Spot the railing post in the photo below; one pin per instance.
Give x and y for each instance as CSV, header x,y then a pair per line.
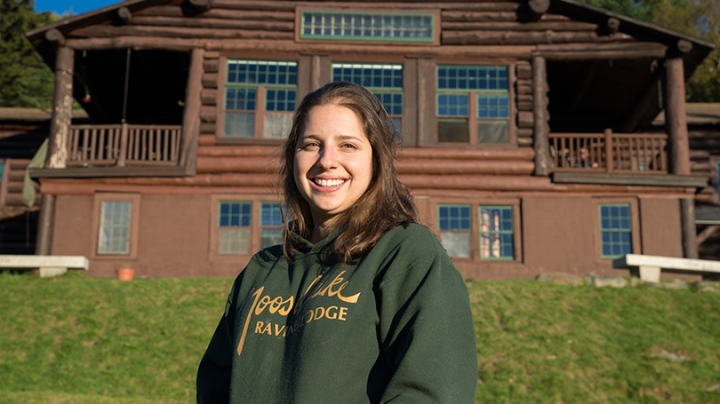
x,y
608,151
123,144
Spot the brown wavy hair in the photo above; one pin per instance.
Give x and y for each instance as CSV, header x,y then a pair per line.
x,y
385,204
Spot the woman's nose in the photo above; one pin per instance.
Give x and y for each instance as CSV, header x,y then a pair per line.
x,y
327,158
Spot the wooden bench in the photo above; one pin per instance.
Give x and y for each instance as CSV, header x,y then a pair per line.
x,y
648,267
49,265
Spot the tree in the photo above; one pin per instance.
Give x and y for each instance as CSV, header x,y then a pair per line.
x,y
699,18
25,80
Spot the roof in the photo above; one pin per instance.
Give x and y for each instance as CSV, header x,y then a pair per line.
x,y
31,115
698,113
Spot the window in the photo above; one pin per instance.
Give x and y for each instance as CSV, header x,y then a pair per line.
x,y
454,225
114,237
385,81
615,230
234,227
271,221
473,104
364,26
260,97
496,233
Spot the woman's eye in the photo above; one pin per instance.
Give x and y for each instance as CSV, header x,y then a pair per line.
x,y
309,145
348,146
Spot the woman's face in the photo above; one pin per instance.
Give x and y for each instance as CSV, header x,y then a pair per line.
x,y
333,161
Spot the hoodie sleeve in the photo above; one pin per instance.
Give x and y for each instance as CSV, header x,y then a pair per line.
x,y
213,377
427,332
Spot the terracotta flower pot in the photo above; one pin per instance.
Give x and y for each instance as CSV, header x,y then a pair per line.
x,y
125,274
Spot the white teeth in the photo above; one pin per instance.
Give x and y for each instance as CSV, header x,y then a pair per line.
x,y
328,183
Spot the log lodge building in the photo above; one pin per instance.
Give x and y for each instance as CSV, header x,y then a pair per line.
x,y
525,126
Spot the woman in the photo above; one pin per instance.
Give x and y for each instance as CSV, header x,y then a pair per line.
x,y
359,304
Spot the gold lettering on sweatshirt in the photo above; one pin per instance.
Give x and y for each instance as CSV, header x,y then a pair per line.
x,y
284,306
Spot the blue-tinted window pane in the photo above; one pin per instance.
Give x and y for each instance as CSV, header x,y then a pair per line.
x,y
261,72
452,105
493,106
393,102
459,77
454,217
372,76
615,230
270,214
240,99
280,100
234,214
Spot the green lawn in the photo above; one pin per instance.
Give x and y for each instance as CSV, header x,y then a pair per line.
x,y
77,339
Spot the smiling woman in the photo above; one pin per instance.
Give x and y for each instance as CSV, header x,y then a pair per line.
x,y
359,304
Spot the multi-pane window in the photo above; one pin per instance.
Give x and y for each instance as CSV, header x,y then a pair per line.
x,y
615,230
385,81
114,237
363,26
454,223
260,97
234,220
271,221
473,104
496,233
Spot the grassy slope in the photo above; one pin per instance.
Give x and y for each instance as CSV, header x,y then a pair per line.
x,y
84,340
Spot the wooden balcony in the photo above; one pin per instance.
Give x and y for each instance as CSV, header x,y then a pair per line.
x,y
124,145
609,153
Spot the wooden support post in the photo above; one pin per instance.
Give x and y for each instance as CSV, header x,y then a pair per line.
x,y
689,231
124,15
62,108
608,151
427,134
55,37
540,117
44,233
123,145
675,119
315,72
191,114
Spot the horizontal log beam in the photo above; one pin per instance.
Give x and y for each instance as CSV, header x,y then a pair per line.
x,y
477,16
208,96
664,180
99,31
184,44
251,14
477,182
602,51
208,127
254,164
519,26
247,24
405,4
206,140
514,37
211,65
200,5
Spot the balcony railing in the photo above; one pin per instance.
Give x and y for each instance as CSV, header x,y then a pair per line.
x,y
609,152
124,144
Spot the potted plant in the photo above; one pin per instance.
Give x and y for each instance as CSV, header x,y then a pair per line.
x,y
125,273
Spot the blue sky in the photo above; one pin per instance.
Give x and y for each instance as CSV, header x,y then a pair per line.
x,y
76,6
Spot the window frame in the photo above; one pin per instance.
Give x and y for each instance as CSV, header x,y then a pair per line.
x,y
383,90
435,24
475,205
259,118
497,232
473,120
262,227
255,228
134,229
634,223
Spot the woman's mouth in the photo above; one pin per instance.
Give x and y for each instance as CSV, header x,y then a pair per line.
x,y
328,183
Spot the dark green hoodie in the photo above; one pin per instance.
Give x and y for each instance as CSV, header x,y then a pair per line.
x,y
394,327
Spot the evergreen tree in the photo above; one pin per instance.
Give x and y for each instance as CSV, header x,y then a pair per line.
x,y
699,18
25,80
